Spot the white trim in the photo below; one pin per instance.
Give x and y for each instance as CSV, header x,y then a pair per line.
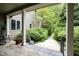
x,y
8,25
15,13
34,7
23,28
38,6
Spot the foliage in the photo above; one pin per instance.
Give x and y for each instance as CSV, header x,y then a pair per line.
x,y
76,29
76,14
52,17
76,40
59,32
37,34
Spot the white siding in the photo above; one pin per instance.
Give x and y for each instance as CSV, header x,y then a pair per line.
x,y
13,33
29,17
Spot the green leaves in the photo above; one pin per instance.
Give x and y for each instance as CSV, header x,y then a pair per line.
x,y
76,15
37,34
52,17
76,40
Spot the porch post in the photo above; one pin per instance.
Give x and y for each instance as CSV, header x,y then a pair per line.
x,y
8,26
69,28
23,28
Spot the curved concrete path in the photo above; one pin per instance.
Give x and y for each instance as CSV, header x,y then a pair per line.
x,y
50,43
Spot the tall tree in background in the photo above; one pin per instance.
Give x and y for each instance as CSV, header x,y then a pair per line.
x,y
76,14
52,17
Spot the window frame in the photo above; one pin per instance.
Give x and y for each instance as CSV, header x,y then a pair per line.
x,y
13,24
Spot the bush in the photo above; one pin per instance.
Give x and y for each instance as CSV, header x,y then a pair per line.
x,y
37,34
59,32
76,40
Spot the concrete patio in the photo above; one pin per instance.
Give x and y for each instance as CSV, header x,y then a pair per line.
x,y
10,49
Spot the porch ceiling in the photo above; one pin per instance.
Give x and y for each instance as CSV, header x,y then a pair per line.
x,y
6,8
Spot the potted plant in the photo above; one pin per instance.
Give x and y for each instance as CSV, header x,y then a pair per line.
x,y
18,39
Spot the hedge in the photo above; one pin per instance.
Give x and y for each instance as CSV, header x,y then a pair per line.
x,y
37,34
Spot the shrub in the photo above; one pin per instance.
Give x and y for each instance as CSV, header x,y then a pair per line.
x,y
37,34
62,34
59,32
76,40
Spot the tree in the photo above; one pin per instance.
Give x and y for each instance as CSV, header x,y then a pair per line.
x,y
52,17
76,14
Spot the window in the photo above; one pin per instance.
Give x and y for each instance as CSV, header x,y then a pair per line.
x,y
13,24
18,25
30,25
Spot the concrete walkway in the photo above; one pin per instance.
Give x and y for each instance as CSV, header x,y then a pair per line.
x,y
50,43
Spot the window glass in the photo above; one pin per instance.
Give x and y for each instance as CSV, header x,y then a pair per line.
x,y
13,24
18,25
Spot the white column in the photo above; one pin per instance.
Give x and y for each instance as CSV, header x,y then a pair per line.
x,y
69,28
23,28
8,25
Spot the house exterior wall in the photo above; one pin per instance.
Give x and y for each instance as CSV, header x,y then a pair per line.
x,y
30,16
14,33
